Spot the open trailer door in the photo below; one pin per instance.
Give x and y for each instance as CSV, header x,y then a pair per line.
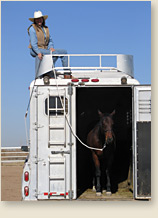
x,y
142,142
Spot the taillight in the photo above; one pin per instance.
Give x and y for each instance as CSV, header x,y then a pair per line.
x,y
75,80
26,190
85,80
26,176
95,80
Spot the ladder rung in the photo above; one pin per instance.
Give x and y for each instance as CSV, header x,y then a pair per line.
x,y
60,179
56,143
54,109
56,127
56,163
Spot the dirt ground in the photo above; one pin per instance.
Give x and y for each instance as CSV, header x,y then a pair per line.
x,y
11,182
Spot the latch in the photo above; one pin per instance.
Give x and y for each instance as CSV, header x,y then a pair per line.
x,y
60,152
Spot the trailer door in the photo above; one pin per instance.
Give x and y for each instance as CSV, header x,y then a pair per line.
x,y
142,142
56,160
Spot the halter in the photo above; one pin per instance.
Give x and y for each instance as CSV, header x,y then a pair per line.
x,y
108,130
104,146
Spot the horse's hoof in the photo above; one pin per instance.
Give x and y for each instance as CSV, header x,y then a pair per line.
x,y
104,191
108,193
93,189
98,194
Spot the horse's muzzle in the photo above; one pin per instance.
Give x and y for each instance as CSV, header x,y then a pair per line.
x,y
109,140
109,137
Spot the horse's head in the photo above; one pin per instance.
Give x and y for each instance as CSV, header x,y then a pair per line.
x,y
107,126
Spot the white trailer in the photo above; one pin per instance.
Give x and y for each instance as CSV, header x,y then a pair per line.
x,y
62,111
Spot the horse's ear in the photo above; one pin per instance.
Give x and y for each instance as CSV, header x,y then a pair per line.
x,y
100,113
113,113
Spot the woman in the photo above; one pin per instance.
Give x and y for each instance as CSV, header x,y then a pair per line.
x,y
41,42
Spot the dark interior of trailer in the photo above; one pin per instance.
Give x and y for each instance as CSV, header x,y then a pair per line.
x,y
106,99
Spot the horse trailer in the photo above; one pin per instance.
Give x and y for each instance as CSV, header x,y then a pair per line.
x,y
63,111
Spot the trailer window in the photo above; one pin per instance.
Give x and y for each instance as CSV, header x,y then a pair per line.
x,y
56,105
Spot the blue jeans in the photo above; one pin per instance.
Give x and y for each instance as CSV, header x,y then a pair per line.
x,y
64,59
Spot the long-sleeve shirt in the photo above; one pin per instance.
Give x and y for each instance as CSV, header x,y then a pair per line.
x,y
34,42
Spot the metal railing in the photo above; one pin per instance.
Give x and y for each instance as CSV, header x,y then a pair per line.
x,y
124,63
100,56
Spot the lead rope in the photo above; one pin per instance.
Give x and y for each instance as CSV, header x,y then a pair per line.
x,y
98,149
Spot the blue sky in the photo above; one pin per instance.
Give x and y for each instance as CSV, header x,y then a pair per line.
x,y
104,27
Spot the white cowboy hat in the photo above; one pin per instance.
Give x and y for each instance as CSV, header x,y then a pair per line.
x,y
38,14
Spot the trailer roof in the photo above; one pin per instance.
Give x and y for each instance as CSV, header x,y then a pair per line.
x,y
110,78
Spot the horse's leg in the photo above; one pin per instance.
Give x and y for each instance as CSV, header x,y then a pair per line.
x,y
98,186
97,173
108,173
93,178
108,184
103,176
94,183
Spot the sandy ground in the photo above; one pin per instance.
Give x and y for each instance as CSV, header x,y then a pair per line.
x,y
11,182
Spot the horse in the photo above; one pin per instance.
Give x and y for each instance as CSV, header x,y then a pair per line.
x,y
101,140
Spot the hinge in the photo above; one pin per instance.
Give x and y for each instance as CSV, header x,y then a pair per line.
x,y
32,160
71,194
70,144
39,93
36,194
37,126
70,89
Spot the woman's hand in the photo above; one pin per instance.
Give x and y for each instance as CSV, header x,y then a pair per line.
x,y
40,56
52,49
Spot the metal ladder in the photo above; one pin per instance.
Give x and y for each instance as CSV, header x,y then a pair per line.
x,y
56,122
57,138
57,176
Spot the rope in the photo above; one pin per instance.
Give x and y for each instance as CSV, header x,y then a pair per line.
x,y
98,149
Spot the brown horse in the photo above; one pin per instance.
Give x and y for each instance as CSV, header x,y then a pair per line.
x,y
102,141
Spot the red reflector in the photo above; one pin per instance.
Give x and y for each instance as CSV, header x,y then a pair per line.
x,y
52,193
45,193
85,80
75,80
62,194
26,190
26,176
95,80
